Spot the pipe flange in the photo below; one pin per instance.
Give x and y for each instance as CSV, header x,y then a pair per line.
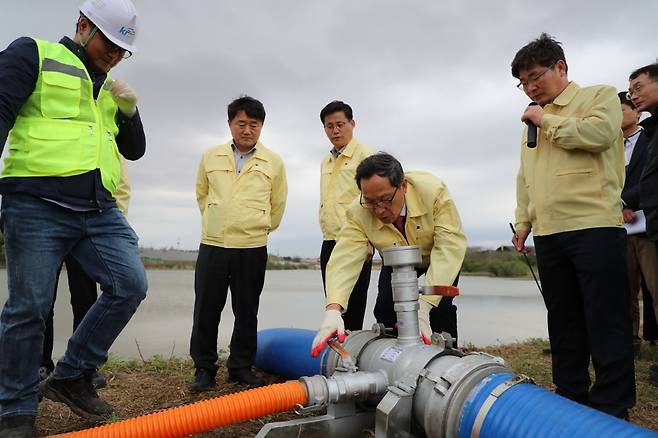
x,y
492,398
317,389
401,256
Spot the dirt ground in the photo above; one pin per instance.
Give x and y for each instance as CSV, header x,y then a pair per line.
x,y
138,392
138,388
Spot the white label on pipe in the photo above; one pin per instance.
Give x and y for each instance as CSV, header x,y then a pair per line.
x,y
391,354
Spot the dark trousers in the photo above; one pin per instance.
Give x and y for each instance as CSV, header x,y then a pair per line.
x,y
443,318
649,323
585,289
83,295
217,269
356,306
650,328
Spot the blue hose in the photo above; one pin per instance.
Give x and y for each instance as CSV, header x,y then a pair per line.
x,y
526,410
287,352
522,411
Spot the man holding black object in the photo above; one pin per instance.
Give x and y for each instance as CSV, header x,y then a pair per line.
x,y
532,131
568,194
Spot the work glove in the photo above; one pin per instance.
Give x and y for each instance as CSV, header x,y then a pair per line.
x,y
424,321
124,96
332,325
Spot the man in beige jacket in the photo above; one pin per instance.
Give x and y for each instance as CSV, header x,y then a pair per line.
x,y
241,190
396,208
569,195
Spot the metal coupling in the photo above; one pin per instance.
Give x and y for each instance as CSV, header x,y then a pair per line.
x,y
342,387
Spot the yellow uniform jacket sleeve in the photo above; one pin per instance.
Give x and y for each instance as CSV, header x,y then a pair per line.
x,y
346,260
122,192
449,245
279,196
201,186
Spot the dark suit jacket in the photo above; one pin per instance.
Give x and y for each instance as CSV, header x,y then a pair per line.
x,y
649,179
631,191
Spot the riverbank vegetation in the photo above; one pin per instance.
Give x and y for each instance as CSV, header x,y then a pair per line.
x,y
138,387
503,262
274,263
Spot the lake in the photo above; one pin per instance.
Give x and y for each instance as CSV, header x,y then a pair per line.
x,y
490,311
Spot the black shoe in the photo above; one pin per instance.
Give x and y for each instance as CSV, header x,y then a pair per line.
x,y
203,380
98,380
44,373
246,377
19,426
78,395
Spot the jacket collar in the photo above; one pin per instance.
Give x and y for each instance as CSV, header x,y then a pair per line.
x,y
348,150
415,206
650,124
567,95
227,150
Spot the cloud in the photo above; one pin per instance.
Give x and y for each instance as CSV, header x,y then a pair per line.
x,y
429,81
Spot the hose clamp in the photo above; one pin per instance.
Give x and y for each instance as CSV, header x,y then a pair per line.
x,y
492,398
301,410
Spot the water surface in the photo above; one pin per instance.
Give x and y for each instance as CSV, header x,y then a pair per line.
x,y
490,311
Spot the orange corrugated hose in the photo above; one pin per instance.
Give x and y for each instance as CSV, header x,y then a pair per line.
x,y
204,415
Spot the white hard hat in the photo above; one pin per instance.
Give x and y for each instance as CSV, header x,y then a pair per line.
x,y
117,19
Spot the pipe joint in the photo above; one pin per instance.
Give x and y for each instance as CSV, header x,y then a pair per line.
x,y
359,386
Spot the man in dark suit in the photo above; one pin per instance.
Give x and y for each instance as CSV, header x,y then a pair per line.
x,y
643,92
642,257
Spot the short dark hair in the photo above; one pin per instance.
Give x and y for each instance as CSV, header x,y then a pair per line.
x,y
623,98
381,164
543,51
651,70
251,107
334,107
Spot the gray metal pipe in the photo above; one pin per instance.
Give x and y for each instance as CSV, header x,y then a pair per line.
x,y
404,283
442,390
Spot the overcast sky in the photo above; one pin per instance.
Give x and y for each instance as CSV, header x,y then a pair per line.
x,y
429,82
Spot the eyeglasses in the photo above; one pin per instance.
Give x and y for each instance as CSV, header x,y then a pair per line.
x,y
383,203
109,45
637,88
338,125
524,84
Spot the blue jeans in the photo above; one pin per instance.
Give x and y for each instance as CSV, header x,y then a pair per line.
x,y
38,235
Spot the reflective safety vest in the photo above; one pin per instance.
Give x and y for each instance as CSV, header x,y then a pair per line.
x,y
61,130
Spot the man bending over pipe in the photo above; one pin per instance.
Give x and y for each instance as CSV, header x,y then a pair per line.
x,y
396,209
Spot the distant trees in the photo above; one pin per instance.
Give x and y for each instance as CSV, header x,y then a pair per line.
x,y
499,263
